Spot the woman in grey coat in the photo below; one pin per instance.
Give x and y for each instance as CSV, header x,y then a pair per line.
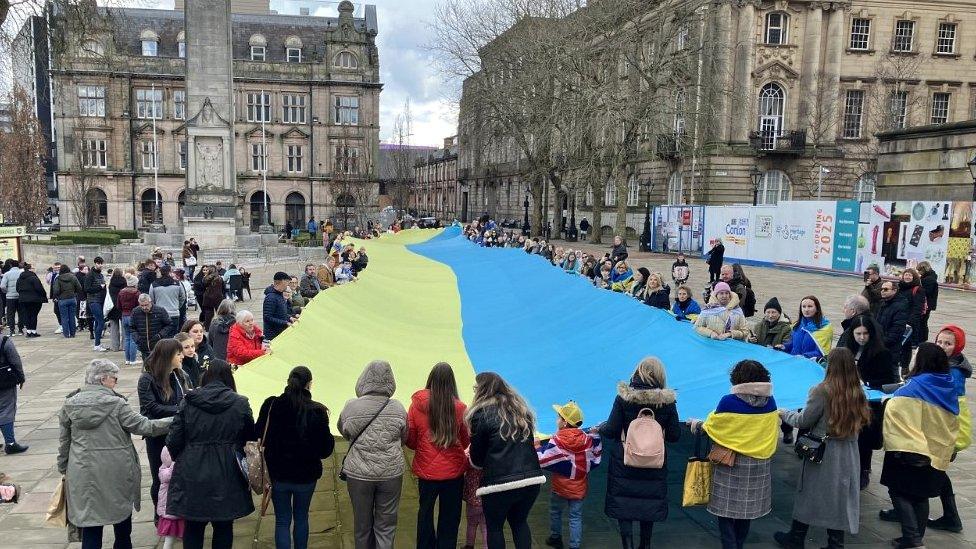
x,y
10,358
828,493
220,327
374,463
96,456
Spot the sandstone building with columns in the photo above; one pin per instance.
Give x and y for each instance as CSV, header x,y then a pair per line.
x,y
800,88
306,95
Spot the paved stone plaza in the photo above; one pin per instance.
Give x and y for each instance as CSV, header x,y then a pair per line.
x,y
55,366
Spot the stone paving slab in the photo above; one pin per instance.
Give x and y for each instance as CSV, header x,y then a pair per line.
x,y
55,366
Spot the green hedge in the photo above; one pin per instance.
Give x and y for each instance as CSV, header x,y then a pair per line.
x,y
124,234
52,242
88,237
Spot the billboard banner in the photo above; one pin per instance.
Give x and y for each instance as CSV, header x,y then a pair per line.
x,y
846,236
730,224
901,234
961,246
805,233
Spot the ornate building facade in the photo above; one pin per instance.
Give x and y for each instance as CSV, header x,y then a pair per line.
x,y
436,191
306,117
800,88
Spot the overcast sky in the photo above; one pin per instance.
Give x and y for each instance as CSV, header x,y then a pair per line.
x,y
406,68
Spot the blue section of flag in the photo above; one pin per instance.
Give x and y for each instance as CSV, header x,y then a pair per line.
x,y
557,338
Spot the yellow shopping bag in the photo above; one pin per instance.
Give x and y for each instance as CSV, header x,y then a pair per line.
x,y
698,479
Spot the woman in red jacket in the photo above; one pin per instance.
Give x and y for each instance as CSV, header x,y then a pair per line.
x,y
438,435
245,342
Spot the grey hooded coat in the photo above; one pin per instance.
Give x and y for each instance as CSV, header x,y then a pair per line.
x,y
97,458
377,453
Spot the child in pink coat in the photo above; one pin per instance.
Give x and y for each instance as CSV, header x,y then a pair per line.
x,y
170,528
475,514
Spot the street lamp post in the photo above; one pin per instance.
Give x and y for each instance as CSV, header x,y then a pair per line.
x,y
645,243
756,177
572,234
525,220
972,171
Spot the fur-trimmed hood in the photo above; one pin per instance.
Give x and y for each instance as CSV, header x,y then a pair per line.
x,y
654,397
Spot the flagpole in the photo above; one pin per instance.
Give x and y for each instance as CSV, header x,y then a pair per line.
x,y
156,209
264,160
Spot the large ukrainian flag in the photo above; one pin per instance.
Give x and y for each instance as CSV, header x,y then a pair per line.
x,y
431,296
922,417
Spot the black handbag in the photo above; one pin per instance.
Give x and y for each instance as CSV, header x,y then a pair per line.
x,y
9,377
810,447
342,470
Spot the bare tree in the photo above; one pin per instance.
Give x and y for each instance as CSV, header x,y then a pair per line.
x,y
401,159
23,192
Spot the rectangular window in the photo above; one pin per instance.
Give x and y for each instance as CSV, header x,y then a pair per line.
x,y
257,53
179,104
149,103
259,157
776,28
294,158
346,159
148,149
682,38
904,36
610,194
853,112
91,100
181,153
346,110
293,55
860,33
149,48
633,191
293,109
258,107
946,43
940,107
897,109
94,153
181,49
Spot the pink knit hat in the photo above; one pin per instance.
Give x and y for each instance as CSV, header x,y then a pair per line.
x,y
722,287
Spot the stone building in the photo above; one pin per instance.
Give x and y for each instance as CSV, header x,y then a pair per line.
x,y
306,99
927,163
436,192
799,88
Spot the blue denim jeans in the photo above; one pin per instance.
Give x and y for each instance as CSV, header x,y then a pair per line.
x,y
69,312
291,502
97,319
556,503
7,430
128,340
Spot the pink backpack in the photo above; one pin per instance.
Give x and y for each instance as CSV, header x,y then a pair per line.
x,y
644,442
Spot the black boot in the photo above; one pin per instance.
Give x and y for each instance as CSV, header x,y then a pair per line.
x,y
950,521
795,538
889,515
555,541
15,448
865,478
835,539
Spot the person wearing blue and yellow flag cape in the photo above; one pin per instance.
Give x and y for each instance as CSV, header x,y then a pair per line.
x,y
921,423
828,491
744,422
811,338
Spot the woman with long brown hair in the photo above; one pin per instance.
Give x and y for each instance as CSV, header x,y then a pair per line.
x,y
828,491
161,389
438,435
502,427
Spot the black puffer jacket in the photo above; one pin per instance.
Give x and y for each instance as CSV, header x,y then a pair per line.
x,y
146,278
505,464
633,493
914,294
893,315
660,298
930,283
115,285
219,333
147,328
295,444
211,426
30,289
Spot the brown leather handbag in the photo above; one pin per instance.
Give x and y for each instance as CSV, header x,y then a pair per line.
x,y
720,455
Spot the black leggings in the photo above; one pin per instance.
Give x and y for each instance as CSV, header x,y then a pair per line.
x,y
223,535
913,512
29,312
513,506
646,529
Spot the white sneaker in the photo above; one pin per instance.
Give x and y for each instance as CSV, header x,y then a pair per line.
x,y
59,330
100,349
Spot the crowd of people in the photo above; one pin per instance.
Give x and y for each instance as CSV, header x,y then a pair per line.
x,y
484,458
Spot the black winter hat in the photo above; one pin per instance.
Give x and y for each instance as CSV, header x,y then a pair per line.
x,y
773,304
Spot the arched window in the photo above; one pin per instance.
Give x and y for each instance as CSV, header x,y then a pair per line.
x,y
676,188
775,186
610,193
150,43
772,100
346,60
864,188
180,204
92,48
295,209
96,208
152,207
258,44
181,45
776,28
257,209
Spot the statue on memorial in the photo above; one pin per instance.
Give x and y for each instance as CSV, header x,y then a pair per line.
x,y
209,165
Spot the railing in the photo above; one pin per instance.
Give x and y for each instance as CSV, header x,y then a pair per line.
x,y
778,141
669,144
